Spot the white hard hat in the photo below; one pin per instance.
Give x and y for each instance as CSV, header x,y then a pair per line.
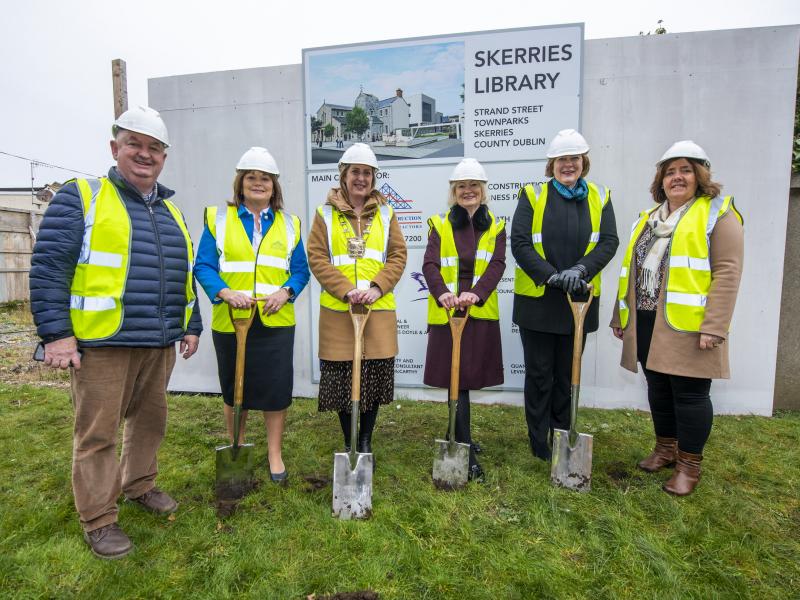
x,y
468,169
258,159
567,142
685,149
359,154
142,119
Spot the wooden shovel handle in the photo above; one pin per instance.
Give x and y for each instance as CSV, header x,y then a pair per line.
x,y
359,324
457,325
579,310
241,327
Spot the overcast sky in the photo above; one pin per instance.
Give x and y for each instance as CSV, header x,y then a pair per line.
x,y
55,55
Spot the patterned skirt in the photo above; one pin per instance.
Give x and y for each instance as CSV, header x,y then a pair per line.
x,y
335,384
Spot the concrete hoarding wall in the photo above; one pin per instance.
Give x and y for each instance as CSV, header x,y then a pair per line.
x,y
731,91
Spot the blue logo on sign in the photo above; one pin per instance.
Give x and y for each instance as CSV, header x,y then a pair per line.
x,y
420,279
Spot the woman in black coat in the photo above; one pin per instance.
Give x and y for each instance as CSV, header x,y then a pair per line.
x,y
562,236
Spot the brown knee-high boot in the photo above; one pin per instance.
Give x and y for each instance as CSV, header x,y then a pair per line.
x,y
662,456
686,475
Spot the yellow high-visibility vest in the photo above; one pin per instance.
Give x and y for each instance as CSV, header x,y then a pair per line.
x,y
250,273
448,254
101,273
688,277
377,243
537,196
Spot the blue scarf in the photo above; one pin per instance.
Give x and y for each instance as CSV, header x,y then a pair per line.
x,y
577,192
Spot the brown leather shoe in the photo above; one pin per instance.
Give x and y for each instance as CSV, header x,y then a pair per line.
x,y
157,502
108,542
686,475
663,455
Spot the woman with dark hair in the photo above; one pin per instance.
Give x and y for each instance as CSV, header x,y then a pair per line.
x,y
464,261
253,249
677,290
563,235
357,253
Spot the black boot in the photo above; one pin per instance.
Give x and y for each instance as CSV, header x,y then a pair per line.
x,y
367,425
463,435
476,473
344,421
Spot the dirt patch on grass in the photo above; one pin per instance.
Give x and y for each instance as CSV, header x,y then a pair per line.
x,y
315,483
365,595
228,496
618,472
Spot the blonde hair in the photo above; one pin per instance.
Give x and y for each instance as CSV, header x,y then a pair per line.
x,y
451,197
705,187
276,202
549,168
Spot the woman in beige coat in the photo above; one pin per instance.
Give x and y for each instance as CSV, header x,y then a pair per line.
x,y
356,220
678,286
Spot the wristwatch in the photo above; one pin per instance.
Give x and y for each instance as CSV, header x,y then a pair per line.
x,y
289,290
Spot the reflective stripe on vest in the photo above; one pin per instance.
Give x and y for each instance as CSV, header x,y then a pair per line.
x,y
448,256
537,196
102,269
688,277
250,273
366,268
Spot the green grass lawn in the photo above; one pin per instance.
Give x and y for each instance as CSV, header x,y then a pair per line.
x,y
513,537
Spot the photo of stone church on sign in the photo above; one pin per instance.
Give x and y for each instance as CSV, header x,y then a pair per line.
x,y
424,124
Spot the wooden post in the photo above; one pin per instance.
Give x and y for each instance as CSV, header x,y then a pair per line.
x,y
120,83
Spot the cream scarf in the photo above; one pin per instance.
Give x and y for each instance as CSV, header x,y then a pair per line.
x,y
663,224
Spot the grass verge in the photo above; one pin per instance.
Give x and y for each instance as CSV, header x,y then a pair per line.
x,y
513,537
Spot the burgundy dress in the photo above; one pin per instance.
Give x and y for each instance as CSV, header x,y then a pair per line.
x,y
481,351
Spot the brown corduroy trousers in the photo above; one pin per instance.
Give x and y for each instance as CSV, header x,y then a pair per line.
x,y
115,386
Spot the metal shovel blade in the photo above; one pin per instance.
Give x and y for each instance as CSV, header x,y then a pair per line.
x,y
235,469
450,465
572,466
352,488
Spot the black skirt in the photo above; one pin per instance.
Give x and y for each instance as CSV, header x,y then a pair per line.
x,y
268,367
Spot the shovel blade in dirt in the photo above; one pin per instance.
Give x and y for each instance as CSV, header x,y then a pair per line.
x,y
235,468
450,465
572,465
352,487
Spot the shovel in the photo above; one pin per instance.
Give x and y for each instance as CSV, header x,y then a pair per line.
x,y
352,471
451,461
572,451
235,463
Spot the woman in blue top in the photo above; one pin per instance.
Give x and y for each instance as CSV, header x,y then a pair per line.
x,y
250,252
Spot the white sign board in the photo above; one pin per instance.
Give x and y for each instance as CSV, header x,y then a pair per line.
x,y
521,88
424,104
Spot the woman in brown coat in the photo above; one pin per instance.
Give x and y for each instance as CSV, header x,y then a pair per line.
x,y
678,287
356,220
472,237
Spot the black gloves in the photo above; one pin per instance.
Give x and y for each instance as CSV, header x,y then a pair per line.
x,y
571,280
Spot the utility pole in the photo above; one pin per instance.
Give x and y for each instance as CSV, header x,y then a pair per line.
x,y
120,83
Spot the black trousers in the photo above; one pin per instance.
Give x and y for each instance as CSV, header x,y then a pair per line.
x,y
680,406
548,367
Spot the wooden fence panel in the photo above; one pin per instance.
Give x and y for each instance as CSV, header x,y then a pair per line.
x,y
18,230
